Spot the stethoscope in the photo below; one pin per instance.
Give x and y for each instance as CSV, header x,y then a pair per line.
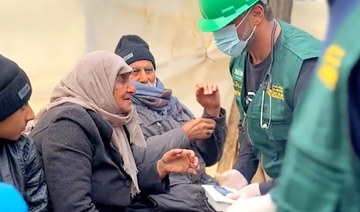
x,y
267,82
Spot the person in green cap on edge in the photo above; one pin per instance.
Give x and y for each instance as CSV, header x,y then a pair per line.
x,y
321,170
271,64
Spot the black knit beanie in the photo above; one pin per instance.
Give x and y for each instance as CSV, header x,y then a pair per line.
x,y
15,88
132,48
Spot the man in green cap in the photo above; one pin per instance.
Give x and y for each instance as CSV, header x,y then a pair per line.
x,y
271,63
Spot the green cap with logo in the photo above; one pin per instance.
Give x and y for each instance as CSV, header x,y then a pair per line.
x,y
216,14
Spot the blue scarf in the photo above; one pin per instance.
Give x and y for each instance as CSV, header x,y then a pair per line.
x,y
157,99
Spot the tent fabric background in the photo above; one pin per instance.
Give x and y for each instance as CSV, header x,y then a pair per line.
x,y
47,37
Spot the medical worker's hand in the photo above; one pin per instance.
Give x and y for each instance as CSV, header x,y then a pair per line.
x,y
178,161
232,179
255,204
248,191
208,96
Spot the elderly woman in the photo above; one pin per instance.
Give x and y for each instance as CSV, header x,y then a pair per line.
x,y
86,136
167,124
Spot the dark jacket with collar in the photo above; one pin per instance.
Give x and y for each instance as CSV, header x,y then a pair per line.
x,y
22,167
83,169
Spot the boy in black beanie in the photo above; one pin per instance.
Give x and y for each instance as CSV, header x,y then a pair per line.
x,y
21,165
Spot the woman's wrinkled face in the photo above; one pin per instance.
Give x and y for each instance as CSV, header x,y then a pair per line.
x,y
143,71
12,126
123,91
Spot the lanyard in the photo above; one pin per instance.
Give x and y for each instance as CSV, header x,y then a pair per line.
x,y
267,82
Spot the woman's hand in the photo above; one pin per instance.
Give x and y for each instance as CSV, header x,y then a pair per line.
x,y
178,161
208,96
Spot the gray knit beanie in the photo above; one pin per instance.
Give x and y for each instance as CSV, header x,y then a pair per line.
x,y
15,88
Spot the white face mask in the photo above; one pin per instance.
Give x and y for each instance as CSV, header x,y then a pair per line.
x,y
227,40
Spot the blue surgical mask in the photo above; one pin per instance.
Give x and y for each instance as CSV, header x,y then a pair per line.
x,y
227,40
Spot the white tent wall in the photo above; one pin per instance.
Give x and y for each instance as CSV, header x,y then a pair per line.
x,y
47,37
183,54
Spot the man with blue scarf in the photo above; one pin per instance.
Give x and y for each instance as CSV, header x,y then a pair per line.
x,y
168,124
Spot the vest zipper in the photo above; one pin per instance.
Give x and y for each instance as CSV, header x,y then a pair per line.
x,y
247,132
247,129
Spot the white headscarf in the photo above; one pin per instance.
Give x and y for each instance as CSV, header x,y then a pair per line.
x,y
91,85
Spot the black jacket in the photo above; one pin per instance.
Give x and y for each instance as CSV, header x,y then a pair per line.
x,y
83,170
22,167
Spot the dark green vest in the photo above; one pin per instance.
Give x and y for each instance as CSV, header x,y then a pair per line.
x,y
292,48
321,170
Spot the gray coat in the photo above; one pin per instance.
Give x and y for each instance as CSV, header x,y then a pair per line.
x,y
164,133
82,169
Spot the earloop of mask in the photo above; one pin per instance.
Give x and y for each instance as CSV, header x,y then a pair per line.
x,y
243,19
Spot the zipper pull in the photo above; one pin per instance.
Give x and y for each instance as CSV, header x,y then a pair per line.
x,y
243,120
160,126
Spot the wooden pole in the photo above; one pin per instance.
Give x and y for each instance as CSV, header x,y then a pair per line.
x,y
282,9
230,150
